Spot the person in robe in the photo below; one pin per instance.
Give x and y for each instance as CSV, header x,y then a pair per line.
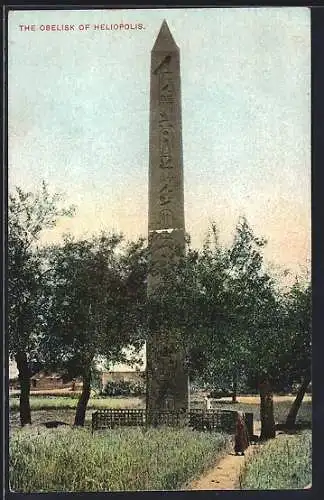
x,y
241,435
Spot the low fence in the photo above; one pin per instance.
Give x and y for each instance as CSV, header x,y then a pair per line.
x,y
224,420
199,419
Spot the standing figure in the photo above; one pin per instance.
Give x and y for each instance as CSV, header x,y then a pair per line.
x,y
208,403
241,435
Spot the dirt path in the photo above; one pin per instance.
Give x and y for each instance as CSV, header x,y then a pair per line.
x,y
225,475
226,472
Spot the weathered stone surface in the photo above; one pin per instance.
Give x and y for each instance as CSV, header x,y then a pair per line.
x,y
166,198
165,247
167,382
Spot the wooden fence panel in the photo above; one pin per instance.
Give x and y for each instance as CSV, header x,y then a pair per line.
x,y
199,419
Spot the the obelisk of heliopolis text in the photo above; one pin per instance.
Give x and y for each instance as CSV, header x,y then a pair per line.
x,y
167,383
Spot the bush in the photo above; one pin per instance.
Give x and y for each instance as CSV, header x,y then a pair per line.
x,y
222,393
124,388
282,463
66,459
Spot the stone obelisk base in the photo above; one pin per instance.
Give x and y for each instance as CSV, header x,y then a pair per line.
x,y
167,380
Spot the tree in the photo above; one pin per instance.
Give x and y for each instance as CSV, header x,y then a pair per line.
x,y
97,308
297,355
219,298
230,313
210,320
29,214
255,302
240,318
236,305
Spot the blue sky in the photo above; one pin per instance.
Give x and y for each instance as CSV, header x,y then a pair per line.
x,y
79,110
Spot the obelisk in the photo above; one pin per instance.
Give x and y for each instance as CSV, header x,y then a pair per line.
x,y
167,381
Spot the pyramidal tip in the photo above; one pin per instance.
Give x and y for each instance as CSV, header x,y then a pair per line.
x,y
165,41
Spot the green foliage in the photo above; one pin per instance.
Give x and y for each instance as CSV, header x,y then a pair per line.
x,y
29,214
96,382
252,304
225,304
83,298
223,393
96,286
295,357
232,315
282,463
72,301
124,388
74,460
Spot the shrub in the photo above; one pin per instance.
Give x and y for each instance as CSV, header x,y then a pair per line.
x,y
123,459
223,393
124,388
282,463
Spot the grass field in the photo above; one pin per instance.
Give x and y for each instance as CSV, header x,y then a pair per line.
x,y
281,408
63,408
65,459
282,463
41,416
63,402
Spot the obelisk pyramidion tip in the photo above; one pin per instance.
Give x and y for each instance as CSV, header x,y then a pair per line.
x,y
165,41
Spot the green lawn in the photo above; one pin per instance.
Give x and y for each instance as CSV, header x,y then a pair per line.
x,y
60,402
282,463
281,409
63,408
65,459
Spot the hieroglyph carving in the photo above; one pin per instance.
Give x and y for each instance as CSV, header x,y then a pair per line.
x,y
163,249
166,139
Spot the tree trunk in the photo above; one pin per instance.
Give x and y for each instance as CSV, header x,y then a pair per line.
x,y
24,380
234,394
268,430
83,400
292,415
